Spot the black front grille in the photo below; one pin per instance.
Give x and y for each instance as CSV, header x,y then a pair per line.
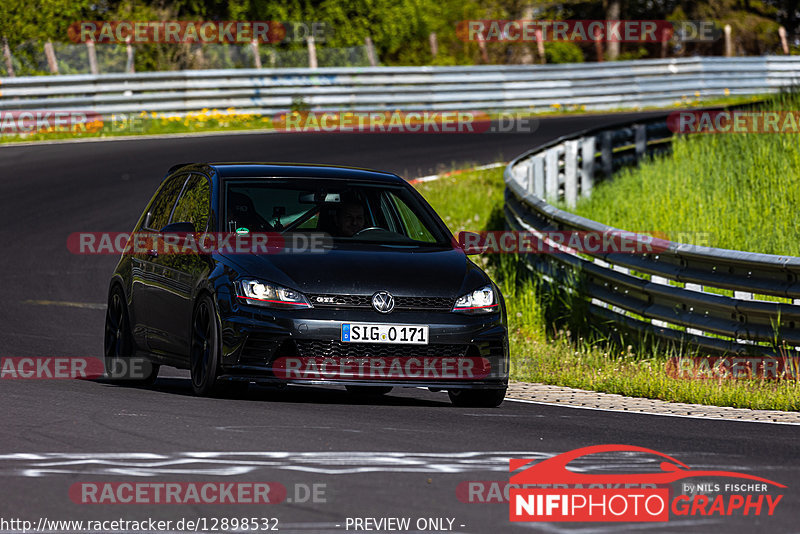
x,y
424,303
365,301
341,301
337,349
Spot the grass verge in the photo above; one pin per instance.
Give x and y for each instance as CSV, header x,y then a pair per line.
x,y
229,120
736,191
546,353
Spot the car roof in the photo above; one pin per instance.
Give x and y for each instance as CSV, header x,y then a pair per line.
x,y
291,170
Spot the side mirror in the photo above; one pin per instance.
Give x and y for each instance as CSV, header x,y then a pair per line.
x,y
178,227
471,243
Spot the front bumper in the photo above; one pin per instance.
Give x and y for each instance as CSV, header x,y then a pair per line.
x,y
258,343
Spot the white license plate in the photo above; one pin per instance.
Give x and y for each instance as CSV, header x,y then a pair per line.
x,y
384,333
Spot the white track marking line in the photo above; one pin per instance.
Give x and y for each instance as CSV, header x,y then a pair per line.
x,y
66,303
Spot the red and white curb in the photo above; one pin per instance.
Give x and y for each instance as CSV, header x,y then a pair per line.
x,y
432,177
592,400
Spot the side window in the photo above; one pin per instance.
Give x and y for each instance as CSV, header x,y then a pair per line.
x,y
194,204
158,216
414,228
388,213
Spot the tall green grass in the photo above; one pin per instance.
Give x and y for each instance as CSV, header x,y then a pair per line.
x,y
546,348
743,190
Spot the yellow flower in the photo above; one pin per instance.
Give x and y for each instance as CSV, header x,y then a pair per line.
x,y
727,92
556,105
697,94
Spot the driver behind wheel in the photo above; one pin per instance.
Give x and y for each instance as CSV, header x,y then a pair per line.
x,y
350,219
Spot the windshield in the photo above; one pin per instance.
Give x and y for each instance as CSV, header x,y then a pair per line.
x,y
347,211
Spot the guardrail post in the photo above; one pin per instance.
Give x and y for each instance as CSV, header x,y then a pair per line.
x,y
371,56
50,54
655,279
256,53
607,153
587,165
312,52
529,177
434,42
92,53
7,58
571,173
536,176
694,287
551,173
129,65
640,140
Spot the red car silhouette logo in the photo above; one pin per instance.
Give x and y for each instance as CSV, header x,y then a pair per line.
x,y
554,470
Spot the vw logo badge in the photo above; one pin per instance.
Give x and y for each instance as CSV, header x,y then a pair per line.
x,y
383,301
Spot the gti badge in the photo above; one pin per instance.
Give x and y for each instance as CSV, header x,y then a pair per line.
x,y
383,301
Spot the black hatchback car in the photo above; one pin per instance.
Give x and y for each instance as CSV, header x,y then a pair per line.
x,y
361,285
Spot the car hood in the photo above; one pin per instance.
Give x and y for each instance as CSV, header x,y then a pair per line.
x,y
403,272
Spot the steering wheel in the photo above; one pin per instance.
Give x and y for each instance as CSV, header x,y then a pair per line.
x,y
369,228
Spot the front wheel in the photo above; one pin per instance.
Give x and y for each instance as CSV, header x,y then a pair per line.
x,y
477,398
205,349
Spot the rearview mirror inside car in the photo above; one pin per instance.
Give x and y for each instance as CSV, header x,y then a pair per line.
x,y
320,197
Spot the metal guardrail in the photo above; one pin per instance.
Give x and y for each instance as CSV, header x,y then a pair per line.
x,y
672,294
531,87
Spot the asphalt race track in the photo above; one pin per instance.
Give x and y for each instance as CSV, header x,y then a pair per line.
x,y
400,456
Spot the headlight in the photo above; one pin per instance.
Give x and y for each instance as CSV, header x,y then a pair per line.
x,y
265,294
479,301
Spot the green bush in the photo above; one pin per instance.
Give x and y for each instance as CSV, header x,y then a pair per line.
x,y
563,53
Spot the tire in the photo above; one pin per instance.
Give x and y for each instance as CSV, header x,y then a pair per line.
x,y
477,398
204,348
368,391
118,345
